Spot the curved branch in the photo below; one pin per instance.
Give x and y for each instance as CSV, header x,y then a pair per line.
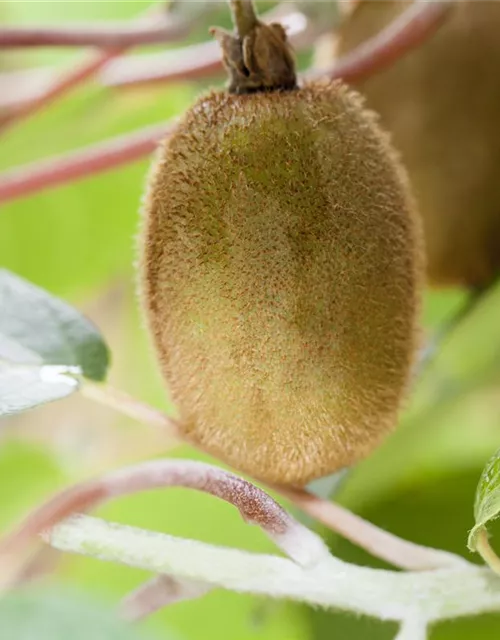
x,y
60,86
32,178
194,62
380,543
388,595
409,30
255,506
104,36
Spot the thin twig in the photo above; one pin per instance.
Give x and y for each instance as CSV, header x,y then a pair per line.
x,y
409,30
32,178
131,407
380,543
60,86
105,36
195,62
159,592
484,548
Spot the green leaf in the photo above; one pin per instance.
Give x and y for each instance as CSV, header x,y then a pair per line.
x,y
43,343
32,320
56,615
487,502
24,387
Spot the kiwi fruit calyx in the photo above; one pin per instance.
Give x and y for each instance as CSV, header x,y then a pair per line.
x,y
257,57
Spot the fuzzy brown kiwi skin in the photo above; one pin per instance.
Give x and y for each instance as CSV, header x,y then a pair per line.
x,y
441,104
280,274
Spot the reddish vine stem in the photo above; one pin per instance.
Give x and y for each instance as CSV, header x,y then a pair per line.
x,y
29,179
409,30
60,86
194,62
380,543
102,36
82,72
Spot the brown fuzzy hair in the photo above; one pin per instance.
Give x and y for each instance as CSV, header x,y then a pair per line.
x,y
441,103
280,274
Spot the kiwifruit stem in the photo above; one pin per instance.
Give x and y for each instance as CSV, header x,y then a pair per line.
x,y
257,56
244,17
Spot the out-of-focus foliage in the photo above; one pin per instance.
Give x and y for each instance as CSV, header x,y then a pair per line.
x,y
59,616
78,241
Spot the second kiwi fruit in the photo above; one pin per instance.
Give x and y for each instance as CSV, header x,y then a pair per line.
x,y
281,269
441,103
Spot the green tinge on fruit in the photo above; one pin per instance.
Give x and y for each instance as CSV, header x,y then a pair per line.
x,y
280,269
440,102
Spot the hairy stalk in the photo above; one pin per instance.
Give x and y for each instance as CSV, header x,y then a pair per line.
x,y
409,598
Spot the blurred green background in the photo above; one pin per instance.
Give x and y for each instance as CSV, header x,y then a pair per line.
x,y
78,242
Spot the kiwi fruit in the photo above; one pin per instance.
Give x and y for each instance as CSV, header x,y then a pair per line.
x,y
441,103
280,270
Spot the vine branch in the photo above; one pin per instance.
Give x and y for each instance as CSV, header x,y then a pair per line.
x,y
380,543
164,29
409,30
404,597
37,176
84,70
255,506
132,408
60,86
